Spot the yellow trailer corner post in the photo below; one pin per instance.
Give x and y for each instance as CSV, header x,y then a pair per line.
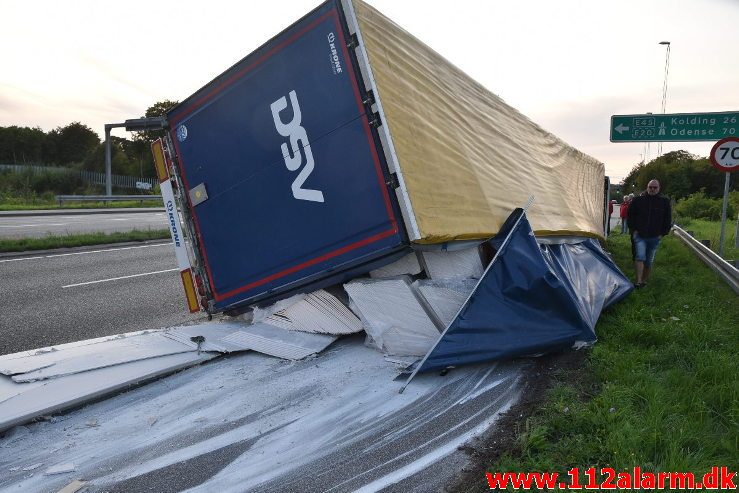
x,y
175,226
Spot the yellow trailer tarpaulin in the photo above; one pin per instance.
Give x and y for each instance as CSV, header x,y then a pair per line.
x,y
467,159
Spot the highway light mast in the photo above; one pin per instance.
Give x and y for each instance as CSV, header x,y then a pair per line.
x,y
136,124
664,87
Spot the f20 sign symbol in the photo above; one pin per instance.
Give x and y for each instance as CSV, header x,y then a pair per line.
x,y
725,154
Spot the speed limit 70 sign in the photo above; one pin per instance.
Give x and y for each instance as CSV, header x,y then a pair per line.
x,y
725,154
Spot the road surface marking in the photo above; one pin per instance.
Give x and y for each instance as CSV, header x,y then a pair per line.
x,y
33,225
85,253
441,451
119,278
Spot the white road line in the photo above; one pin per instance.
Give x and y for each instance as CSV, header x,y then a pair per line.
x,y
33,225
121,219
119,278
85,253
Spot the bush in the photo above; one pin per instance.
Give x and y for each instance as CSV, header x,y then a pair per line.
x,y
699,206
31,187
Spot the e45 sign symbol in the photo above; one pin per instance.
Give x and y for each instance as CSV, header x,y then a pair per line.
x,y
725,154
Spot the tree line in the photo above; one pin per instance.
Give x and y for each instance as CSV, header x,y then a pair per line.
x,y
77,146
696,187
680,174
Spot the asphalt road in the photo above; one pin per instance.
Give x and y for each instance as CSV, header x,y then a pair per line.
x,y
251,423
615,219
44,225
57,298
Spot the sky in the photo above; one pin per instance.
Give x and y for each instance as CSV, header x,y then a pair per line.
x,y
566,64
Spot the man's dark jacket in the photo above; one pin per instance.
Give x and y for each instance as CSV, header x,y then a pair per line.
x,y
650,215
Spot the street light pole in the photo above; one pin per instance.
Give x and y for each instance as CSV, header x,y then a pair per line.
x,y
664,87
151,123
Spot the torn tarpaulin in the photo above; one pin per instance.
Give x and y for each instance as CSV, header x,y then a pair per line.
x,y
528,302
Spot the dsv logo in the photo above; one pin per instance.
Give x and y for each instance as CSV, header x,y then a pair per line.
x,y
293,156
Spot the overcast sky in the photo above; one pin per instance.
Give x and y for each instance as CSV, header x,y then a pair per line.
x,y
567,64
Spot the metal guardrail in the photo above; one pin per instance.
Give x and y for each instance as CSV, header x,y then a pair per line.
x,y
104,198
725,270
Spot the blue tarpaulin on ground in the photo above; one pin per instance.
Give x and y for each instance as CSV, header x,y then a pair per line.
x,y
533,299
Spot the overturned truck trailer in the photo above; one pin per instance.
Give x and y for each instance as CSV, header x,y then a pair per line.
x,y
341,144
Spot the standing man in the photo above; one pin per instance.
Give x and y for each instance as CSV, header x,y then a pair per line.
x,y
649,219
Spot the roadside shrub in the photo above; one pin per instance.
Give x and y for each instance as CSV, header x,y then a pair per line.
x,y
698,206
733,203
31,187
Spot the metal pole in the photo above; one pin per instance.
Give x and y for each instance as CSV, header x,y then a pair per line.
x,y
664,88
108,174
723,216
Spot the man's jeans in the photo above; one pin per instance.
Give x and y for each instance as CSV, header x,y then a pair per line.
x,y
645,249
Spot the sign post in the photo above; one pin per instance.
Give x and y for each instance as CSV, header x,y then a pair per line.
x,y
675,127
725,157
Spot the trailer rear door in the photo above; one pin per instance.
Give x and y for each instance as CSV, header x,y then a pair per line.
x,y
284,175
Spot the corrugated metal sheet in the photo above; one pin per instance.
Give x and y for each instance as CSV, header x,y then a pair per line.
x,y
318,312
393,316
281,343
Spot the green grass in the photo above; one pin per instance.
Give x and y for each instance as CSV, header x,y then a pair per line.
x,y
76,240
660,388
711,230
78,205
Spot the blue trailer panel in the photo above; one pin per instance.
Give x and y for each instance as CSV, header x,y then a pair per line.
x,y
284,176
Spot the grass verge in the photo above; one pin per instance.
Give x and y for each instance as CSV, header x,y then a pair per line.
x,y
659,390
80,205
711,230
77,240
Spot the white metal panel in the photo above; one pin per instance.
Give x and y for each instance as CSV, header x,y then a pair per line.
x,y
445,297
318,312
393,316
106,352
459,264
281,343
27,401
213,333
405,265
